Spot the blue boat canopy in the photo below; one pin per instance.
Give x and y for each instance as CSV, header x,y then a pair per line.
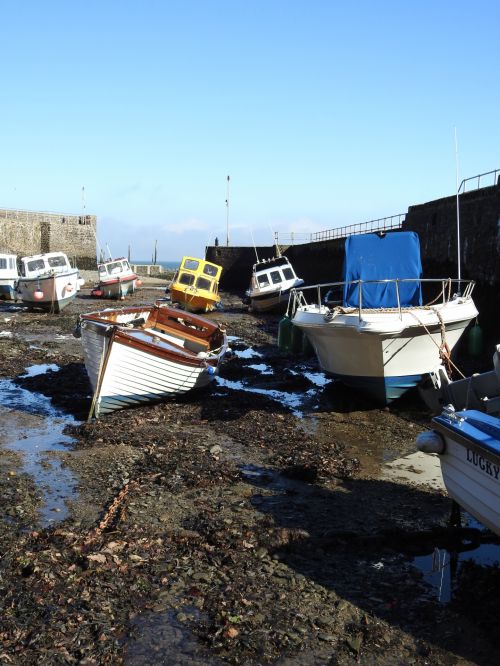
x,y
383,257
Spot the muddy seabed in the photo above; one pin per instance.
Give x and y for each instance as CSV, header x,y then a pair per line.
x,y
245,524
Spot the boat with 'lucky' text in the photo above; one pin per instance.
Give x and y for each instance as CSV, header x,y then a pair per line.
x,y
143,354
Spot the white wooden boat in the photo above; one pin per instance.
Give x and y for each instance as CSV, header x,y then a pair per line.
x,y
378,336
142,354
479,391
468,444
8,276
270,285
116,279
48,281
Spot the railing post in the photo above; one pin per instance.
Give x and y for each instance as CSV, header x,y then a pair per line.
x,y
398,299
360,298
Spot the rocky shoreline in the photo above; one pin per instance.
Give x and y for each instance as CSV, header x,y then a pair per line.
x,y
227,527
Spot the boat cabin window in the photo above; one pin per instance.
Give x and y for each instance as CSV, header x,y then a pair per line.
x,y
55,262
36,265
186,278
208,269
191,265
3,263
263,280
203,283
114,268
276,277
126,265
288,273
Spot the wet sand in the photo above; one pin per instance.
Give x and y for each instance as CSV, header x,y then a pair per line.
x,y
275,518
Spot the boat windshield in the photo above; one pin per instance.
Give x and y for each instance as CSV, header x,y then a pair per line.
x,y
208,269
36,265
186,278
263,280
276,277
191,264
203,283
57,262
288,273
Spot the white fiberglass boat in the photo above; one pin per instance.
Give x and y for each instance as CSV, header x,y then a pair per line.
x,y
143,354
480,391
116,279
378,336
270,285
468,444
48,281
8,276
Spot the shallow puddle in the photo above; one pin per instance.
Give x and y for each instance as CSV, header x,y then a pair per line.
x,y
165,638
32,427
441,568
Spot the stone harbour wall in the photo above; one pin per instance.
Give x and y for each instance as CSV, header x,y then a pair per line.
x,y
436,224
30,232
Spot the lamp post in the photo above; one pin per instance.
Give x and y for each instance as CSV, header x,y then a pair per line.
x,y
227,213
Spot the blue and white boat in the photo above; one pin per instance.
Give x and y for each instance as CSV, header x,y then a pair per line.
x,y
468,444
8,276
373,330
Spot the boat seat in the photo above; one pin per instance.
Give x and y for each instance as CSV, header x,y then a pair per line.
x,y
185,340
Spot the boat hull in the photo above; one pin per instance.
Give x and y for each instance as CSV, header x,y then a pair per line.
x,y
471,471
128,367
119,288
194,302
58,291
383,354
270,302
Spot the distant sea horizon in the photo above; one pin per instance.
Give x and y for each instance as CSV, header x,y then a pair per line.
x,y
168,265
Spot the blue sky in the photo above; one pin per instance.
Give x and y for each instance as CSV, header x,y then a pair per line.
x,y
323,113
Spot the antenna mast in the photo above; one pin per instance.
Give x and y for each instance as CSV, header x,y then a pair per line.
x,y
227,213
458,209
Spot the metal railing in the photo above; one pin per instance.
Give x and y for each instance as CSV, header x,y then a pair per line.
x,y
323,304
492,176
380,224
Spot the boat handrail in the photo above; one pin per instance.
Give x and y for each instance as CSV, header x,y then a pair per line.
x,y
463,288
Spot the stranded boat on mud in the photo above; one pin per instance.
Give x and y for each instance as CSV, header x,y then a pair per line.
x,y
8,276
48,281
195,286
116,279
468,444
480,391
142,354
271,282
377,336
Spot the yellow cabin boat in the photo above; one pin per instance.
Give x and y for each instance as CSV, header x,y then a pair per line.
x,y
196,285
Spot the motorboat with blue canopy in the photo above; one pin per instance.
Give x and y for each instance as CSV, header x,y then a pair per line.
x,y
468,445
373,329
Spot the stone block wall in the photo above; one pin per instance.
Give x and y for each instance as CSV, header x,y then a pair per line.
x,y
29,232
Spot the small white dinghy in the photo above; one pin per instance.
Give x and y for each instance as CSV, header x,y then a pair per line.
x,y
48,281
468,444
143,354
